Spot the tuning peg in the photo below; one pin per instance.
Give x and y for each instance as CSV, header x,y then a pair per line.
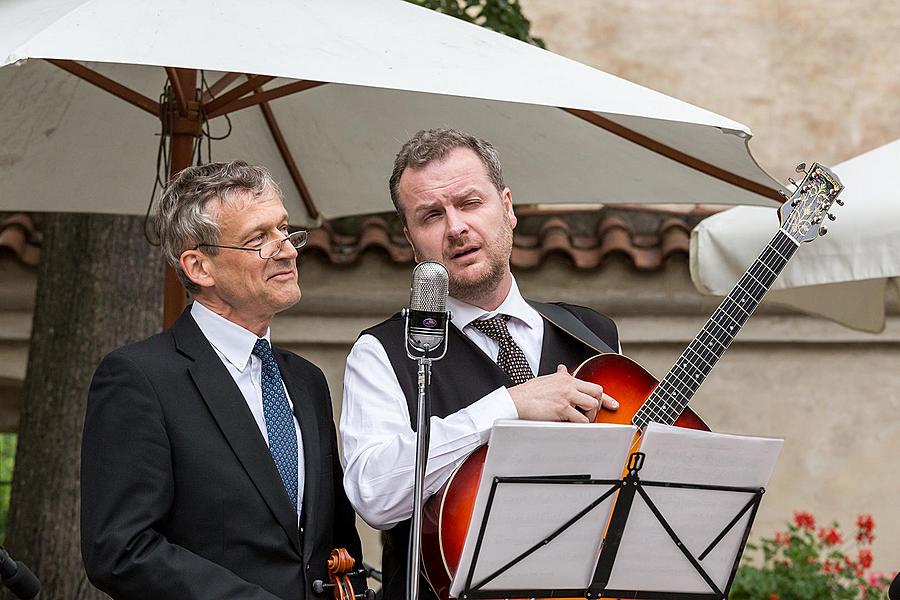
x,y
795,202
823,230
839,202
801,168
831,216
792,182
783,194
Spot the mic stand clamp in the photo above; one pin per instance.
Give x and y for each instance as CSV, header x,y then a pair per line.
x,y
423,426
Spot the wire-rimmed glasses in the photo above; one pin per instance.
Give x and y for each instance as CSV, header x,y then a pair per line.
x,y
271,249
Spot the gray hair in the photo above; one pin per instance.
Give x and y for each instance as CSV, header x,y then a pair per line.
x,y
432,145
183,216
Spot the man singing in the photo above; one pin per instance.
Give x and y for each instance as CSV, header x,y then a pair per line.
x,y
507,357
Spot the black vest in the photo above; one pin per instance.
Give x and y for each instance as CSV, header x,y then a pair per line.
x,y
463,376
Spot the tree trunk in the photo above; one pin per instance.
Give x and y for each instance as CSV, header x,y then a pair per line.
x,y
99,287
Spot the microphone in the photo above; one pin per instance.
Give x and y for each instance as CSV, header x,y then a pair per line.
x,y
17,577
426,318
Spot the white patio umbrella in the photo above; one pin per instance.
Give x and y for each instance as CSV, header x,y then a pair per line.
x,y
340,84
842,276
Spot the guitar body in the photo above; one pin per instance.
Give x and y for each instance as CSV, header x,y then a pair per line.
x,y
447,513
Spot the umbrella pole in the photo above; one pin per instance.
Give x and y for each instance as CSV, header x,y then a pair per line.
x,y
184,119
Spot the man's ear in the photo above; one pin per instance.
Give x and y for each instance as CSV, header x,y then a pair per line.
x,y
411,245
506,197
195,265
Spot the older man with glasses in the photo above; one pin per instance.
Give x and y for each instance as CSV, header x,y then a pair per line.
x,y
209,462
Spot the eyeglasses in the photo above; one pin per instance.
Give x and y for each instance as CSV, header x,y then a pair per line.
x,y
269,249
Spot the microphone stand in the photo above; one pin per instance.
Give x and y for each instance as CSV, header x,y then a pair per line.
x,y
423,429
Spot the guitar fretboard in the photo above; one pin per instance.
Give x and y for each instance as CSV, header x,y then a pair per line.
x,y
682,381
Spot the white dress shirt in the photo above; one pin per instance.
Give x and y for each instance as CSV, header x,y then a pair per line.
x,y
379,445
234,346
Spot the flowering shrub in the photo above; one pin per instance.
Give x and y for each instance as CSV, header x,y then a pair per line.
x,y
809,563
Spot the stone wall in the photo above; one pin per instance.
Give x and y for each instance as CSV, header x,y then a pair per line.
x,y
814,79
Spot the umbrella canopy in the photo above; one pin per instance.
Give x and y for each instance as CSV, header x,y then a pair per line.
x,y
323,92
842,276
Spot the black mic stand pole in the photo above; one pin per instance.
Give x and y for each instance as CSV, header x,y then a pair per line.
x,y
423,428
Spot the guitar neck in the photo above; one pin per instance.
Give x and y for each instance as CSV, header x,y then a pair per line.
x,y
676,389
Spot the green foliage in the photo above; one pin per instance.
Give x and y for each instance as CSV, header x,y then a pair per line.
x,y
804,564
7,460
503,16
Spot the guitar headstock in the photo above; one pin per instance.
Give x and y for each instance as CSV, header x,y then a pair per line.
x,y
802,213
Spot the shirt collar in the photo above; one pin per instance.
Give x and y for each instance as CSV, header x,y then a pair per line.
x,y
231,340
513,305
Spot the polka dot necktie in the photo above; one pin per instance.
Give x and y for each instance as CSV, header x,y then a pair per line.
x,y
279,420
510,358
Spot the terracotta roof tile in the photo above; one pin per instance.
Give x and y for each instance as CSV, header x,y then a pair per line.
x,y
19,238
644,238
613,234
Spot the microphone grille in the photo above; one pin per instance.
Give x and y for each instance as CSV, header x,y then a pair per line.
x,y
429,287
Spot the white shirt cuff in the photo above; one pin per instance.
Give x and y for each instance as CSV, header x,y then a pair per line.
x,y
496,405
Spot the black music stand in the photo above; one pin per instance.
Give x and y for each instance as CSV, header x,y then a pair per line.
x,y
706,573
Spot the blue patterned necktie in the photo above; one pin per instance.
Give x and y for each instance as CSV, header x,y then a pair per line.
x,y
279,420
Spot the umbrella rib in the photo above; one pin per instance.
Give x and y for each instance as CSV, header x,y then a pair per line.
x,y
105,83
288,159
219,106
676,155
266,96
220,84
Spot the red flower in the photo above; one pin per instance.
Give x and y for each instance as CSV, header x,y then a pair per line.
x,y
782,539
864,526
831,536
773,596
865,558
804,520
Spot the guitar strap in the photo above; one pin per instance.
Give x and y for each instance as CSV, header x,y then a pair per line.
x,y
569,323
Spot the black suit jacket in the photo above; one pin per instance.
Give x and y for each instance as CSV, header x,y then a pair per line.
x,y
180,497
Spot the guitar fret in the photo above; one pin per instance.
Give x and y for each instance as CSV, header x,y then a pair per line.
x,y
699,370
723,329
753,301
730,317
682,381
784,258
697,354
737,306
765,279
757,280
768,269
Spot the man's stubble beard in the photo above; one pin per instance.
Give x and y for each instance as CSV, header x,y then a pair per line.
x,y
498,262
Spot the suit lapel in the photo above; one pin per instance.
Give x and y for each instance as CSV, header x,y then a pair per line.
x,y
305,413
233,416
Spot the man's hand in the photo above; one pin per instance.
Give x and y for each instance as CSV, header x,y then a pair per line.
x,y
560,397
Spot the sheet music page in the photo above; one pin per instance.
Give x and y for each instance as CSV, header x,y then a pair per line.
x,y
648,559
524,514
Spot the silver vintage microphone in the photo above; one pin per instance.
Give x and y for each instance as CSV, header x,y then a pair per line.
x,y
427,318
427,324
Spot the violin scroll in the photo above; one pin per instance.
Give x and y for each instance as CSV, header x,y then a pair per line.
x,y
340,569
